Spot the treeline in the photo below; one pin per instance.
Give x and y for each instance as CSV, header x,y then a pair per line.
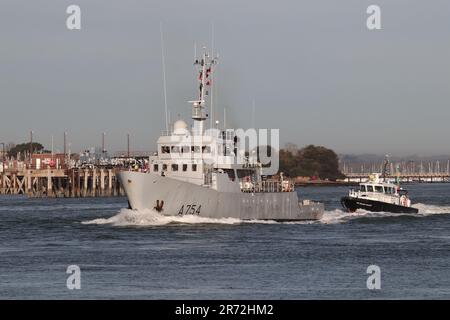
x,y
19,151
310,161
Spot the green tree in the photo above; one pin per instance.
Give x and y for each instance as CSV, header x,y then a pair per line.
x,y
310,161
24,148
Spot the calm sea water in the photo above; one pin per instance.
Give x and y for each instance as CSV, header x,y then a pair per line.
x,y
127,254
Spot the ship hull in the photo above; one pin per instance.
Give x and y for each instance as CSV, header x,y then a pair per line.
x,y
352,204
173,197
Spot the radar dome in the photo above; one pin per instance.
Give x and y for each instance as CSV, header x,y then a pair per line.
x,y
180,127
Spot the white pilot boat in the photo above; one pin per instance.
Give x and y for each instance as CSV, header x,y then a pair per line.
x,y
379,194
203,173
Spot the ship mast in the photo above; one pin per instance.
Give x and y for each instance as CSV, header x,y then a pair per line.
x,y
205,69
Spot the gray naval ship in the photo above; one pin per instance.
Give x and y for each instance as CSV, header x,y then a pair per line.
x,y
202,172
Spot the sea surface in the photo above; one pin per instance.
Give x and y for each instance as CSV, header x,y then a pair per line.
x,y
124,254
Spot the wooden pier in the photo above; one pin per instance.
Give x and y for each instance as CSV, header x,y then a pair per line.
x,y
92,182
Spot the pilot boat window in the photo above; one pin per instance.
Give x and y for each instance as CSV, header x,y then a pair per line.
x,y
194,167
388,190
164,167
206,149
362,188
165,149
379,189
155,167
174,167
369,188
184,167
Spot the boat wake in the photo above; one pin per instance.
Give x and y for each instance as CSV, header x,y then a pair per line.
x,y
127,217
340,216
147,217
428,209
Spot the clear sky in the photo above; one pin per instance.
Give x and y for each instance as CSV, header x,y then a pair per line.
x,y
313,68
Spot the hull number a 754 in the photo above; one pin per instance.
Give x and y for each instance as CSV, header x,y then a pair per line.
x,y
189,209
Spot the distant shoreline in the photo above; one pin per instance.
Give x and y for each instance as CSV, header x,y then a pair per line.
x,y
321,183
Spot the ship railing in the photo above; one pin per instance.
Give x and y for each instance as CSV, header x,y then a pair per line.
x,y
208,178
266,186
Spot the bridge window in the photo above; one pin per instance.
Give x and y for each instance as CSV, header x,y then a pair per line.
x,y
379,189
362,188
184,167
194,167
195,149
369,188
175,149
155,168
174,167
185,149
165,149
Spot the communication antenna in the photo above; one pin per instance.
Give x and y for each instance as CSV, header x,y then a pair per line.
x,y
170,121
65,147
128,145
52,147
103,142
253,113
164,75
224,119
211,118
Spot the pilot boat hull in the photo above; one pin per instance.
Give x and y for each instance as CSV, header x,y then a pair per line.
x,y
174,197
351,204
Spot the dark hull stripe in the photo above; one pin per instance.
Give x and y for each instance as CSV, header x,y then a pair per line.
x,y
352,204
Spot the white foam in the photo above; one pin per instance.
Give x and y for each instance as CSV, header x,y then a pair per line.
x,y
127,217
428,209
340,216
147,217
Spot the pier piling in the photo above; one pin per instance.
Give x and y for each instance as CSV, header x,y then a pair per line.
x,y
93,182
